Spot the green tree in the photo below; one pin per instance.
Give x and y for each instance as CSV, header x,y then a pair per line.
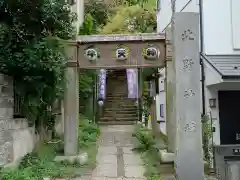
x,y
99,12
32,53
131,19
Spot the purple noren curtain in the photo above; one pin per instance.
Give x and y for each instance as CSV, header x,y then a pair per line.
x,y
132,79
102,84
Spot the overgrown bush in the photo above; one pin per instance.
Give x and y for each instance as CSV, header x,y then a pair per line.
x,y
146,145
37,165
206,137
40,163
30,52
99,11
88,132
144,138
132,19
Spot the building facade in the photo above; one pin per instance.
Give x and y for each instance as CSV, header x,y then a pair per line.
x,y
221,59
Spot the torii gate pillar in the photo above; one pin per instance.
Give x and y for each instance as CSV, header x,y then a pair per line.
x,y
71,101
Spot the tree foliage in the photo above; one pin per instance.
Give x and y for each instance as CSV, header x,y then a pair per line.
x,y
131,19
99,12
31,52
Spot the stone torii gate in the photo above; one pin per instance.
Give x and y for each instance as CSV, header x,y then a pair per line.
x,y
146,50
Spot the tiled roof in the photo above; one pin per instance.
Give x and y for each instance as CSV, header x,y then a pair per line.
x,y
226,65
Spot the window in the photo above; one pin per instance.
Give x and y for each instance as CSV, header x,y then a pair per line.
x,y
162,110
17,105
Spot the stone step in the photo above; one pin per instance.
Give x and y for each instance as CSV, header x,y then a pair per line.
x,y
117,89
113,114
121,109
113,98
114,85
123,99
119,97
118,74
120,102
116,122
106,119
114,76
119,82
116,80
116,94
166,169
119,105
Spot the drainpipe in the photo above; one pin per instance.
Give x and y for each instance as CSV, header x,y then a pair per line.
x,y
201,60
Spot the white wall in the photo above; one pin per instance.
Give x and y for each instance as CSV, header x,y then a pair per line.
x,y
161,99
235,5
165,12
213,77
220,22
218,17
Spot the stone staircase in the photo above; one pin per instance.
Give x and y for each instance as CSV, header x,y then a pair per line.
x,y
118,109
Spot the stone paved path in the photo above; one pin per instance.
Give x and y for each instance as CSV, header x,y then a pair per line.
x,y
115,159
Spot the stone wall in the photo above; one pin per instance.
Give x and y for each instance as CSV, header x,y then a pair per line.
x,y
59,125
16,138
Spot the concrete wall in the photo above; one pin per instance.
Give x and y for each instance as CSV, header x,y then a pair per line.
x,y
220,23
16,138
59,121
